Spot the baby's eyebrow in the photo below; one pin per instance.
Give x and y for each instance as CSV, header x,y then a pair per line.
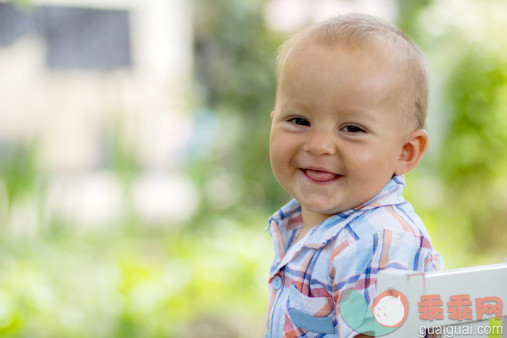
x,y
361,113
295,105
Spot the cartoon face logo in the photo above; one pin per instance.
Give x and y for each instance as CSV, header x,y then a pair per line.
x,y
390,308
387,313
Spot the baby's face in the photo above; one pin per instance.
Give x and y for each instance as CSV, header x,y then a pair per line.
x,y
337,128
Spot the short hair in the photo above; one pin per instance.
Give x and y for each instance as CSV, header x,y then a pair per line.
x,y
364,30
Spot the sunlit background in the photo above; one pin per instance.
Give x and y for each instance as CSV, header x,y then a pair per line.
x,y
134,174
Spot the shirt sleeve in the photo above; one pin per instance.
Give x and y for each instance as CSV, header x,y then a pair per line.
x,y
355,265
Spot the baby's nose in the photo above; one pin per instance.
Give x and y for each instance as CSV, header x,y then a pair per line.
x,y
319,143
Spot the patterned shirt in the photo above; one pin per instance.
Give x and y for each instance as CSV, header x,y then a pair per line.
x,y
345,251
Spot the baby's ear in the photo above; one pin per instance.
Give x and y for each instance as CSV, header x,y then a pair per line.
x,y
412,151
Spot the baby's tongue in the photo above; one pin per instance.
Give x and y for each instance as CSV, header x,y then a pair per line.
x,y
320,175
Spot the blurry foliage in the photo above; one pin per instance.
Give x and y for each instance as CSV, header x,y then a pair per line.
x,y
465,42
23,3
121,158
18,170
474,165
20,176
235,69
144,284
408,11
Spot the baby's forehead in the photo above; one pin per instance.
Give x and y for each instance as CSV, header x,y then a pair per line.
x,y
381,50
358,62
379,61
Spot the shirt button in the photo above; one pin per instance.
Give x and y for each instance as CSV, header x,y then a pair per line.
x,y
277,282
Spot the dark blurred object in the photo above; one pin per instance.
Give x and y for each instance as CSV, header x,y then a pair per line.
x,y
76,38
86,38
14,23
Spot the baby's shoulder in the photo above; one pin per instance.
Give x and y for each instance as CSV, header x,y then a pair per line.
x,y
391,225
399,219
391,236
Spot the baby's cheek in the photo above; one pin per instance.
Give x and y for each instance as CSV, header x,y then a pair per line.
x,y
275,148
281,151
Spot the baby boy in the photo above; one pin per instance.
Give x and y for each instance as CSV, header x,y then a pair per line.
x,y
351,101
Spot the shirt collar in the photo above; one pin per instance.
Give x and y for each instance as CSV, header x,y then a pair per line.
x,y
289,216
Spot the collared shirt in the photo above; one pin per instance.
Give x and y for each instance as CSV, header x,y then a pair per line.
x,y
345,251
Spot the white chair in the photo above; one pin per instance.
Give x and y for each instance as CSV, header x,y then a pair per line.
x,y
477,282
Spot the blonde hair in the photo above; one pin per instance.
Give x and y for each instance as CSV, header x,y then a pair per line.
x,y
364,30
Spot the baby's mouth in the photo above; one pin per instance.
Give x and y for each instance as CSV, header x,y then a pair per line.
x,y
320,176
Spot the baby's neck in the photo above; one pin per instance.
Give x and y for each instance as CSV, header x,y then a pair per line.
x,y
312,218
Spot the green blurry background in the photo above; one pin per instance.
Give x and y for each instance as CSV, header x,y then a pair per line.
x,y
204,272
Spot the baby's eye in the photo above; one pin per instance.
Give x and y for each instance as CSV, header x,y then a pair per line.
x,y
352,128
300,121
